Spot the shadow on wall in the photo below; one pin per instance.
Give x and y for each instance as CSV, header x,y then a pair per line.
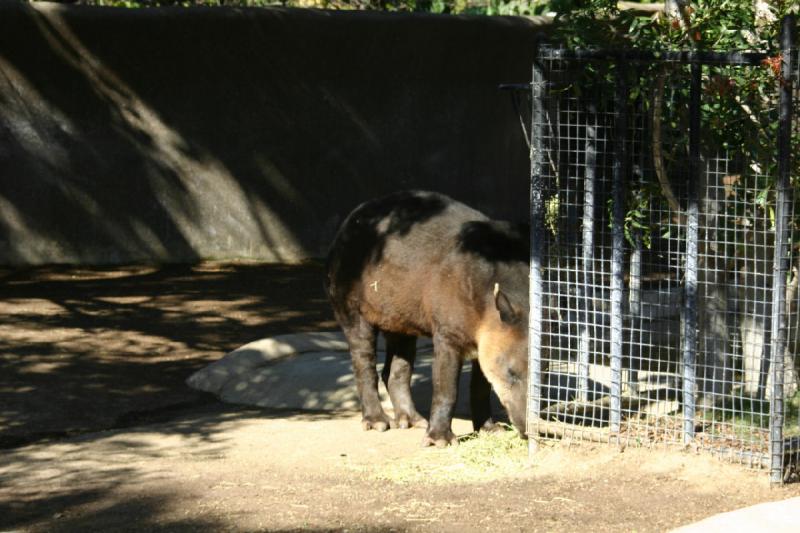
x,y
86,170
174,135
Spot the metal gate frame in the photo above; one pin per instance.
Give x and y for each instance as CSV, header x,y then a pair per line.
x,y
779,452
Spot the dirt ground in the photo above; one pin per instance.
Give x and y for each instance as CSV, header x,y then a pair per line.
x,y
101,433
88,349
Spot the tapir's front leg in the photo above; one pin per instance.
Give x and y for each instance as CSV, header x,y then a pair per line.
x,y
480,400
445,374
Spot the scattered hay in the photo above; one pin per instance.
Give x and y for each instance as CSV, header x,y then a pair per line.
x,y
478,457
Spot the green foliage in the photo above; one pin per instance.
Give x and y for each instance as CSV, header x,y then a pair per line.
x,y
708,24
740,415
739,110
792,424
635,225
516,7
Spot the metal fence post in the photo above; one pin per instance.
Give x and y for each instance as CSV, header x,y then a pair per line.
x,y
537,224
586,288
618,241
690,277
781,258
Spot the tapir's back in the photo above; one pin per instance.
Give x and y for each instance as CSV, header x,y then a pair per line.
x,y
421,230
389,250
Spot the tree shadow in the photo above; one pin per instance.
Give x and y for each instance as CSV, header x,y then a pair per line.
x,y
82,349
259,152
134,479
98,502
89,482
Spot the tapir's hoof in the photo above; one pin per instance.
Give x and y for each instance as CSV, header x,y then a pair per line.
x,y
378,423
439,439
411,421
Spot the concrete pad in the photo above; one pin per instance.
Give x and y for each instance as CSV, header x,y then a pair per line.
x,y
776,517
309,371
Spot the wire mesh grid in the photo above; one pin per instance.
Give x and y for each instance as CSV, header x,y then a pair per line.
x,y
653,315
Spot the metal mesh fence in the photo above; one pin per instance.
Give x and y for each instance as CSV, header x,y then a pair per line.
x,y
664,274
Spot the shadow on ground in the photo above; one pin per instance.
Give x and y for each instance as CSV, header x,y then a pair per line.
x,y
88,349
105,516
84,483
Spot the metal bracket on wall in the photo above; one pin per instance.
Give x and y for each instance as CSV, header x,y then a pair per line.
x,y
518,91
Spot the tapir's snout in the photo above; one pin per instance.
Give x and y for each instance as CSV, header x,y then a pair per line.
x,y
518,407
508,374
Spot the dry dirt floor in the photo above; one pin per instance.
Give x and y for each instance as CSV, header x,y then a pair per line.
x,y
99,431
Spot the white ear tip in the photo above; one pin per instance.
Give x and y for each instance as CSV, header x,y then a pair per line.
x,y
496,289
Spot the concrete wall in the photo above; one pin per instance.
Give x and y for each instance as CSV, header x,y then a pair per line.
x,y
175,135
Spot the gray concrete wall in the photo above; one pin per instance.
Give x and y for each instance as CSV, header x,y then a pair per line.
x,y
176,135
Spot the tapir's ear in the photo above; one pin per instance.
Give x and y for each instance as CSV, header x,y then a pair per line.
x,y
508,314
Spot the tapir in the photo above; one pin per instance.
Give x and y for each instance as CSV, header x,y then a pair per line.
x,y
419,263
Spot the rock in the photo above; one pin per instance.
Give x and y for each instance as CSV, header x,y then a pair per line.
x,y
309,371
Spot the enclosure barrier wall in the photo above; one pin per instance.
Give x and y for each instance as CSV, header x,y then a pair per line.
x,y
664,261
176,135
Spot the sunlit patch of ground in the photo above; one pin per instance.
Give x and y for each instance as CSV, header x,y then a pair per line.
x,y
478,457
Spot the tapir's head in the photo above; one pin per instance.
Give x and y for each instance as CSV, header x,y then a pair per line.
x,y
503,352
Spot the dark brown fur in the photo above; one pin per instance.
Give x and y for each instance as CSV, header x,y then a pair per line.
x,y
419,263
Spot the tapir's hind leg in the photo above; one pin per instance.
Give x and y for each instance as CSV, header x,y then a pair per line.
x,y
401,350
362,338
